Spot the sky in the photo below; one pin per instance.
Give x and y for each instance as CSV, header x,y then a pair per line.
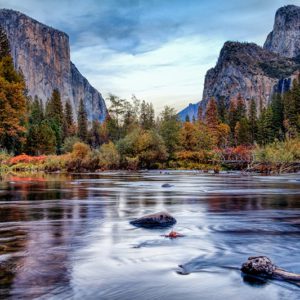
x,y
158,50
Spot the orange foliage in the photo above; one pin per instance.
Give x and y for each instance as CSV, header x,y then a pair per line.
x,y
24,158
238,153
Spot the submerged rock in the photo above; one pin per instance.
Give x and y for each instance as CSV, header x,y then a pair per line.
x,y
166,185
160,219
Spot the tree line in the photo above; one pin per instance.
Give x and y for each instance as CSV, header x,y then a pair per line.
x,y
131,135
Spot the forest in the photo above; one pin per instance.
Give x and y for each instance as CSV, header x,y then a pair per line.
x,y
52,138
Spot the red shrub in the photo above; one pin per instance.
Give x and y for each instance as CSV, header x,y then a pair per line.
x,y
27,159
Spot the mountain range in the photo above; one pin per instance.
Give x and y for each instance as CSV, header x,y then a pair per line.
x,y
252,71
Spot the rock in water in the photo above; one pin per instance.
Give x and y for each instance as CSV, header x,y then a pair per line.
x,y
160,219
166,185
258,265
263,266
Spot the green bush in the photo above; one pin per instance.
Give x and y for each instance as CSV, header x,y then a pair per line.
x,y
109,156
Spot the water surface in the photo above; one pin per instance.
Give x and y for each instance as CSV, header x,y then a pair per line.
x,y
68,236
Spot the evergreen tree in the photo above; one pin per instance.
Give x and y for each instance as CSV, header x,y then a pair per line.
x,y
40,139
13,102
54,117
94,137
187,118
240,108
242,132
36,111
82,122
232,116
222,110
4,44
253,121
211,116
68,125
277,114
265,127
291,100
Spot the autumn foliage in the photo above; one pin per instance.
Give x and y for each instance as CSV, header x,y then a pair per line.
x,y
27,159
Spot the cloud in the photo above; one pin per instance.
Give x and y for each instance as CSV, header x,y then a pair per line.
x,y
159,50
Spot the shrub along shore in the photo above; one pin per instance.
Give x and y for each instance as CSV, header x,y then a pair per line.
x,y
275,158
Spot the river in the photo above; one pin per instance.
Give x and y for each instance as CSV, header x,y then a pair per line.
x,y
69,236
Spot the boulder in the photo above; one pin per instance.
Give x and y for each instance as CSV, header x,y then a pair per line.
x,y
166,185
160,219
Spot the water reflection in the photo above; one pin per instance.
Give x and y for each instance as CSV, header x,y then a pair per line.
x,y
66,236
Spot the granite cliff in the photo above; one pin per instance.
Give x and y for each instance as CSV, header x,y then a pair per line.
x,y
43,55
285,37
257,72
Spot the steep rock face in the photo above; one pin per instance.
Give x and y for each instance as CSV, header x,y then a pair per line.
x,y
43,55
248,70
285,37
255,72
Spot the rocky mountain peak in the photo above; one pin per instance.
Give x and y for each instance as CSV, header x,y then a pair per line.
x,y
43,55
285,37
256,72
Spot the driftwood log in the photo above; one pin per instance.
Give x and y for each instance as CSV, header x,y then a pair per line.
x,y
263,266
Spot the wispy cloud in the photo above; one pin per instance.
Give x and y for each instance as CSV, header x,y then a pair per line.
x,y
159,50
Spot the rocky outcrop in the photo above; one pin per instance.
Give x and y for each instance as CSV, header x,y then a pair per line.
x,y
285,37
255,72
43,55
248,70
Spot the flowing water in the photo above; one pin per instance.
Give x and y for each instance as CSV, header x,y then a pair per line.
x,y
69,237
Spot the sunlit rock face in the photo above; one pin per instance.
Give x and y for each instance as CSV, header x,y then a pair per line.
x,y
285,37
248,70
254,72
43,55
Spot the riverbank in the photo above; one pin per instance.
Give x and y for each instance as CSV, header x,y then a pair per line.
x,y
275,158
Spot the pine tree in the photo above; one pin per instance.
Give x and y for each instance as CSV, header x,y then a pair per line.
x,y
277,114
240,108
253,121
54,108
94,138
82,122
13,102
40,139
36,111
4,44
211,115
54,117
265,127
68,124
232,116
242,132
222,110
